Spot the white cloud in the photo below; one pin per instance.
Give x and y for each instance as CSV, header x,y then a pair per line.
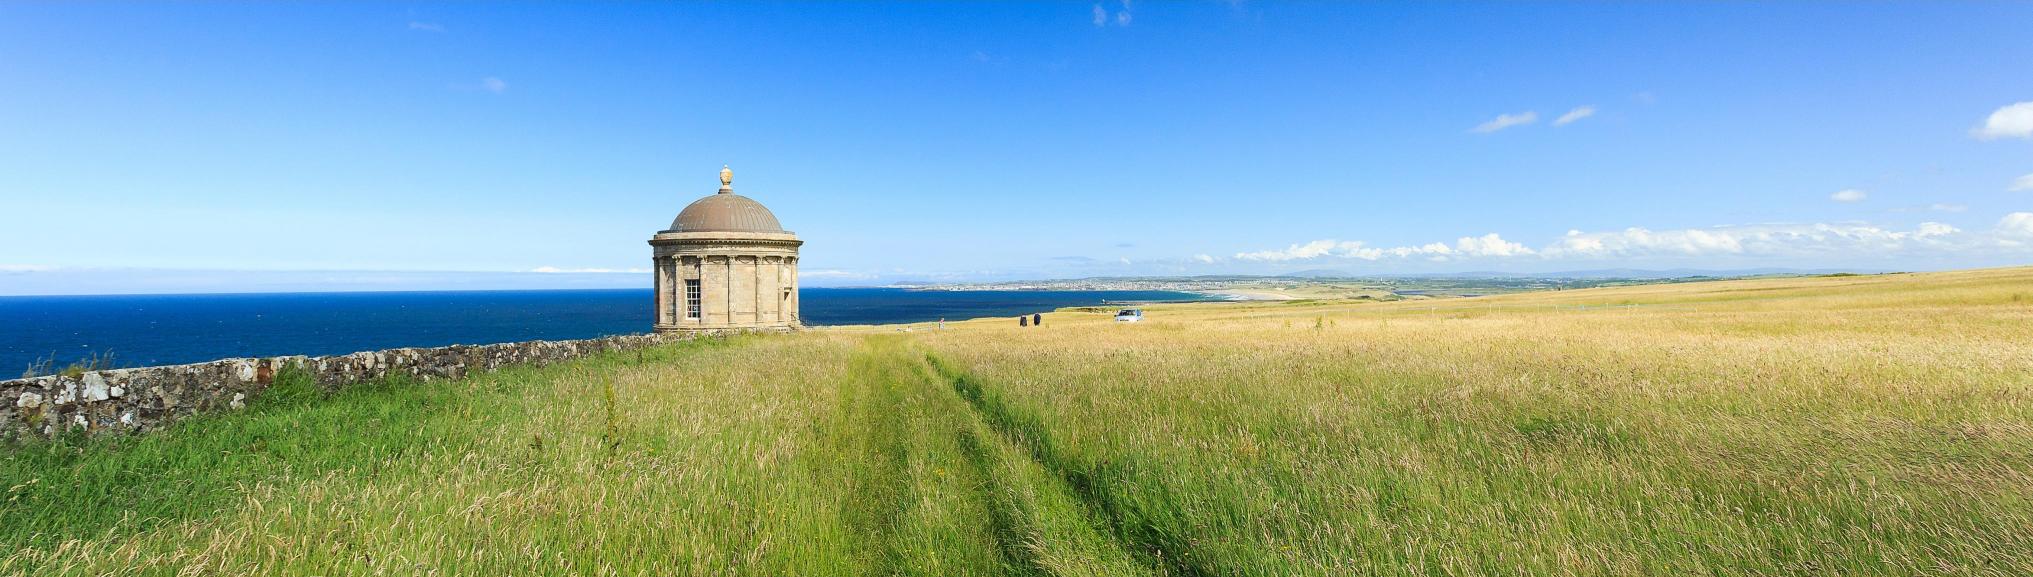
x,y
1578,113
1934,229
1204,259
2021,183
1642,241
1945,207
1801,240
494,85
2016,224
1848,195
426,26
1315,249
2014,121
1122,17
556,270
1503,121
25,268
1490,245
1754,240
1431,250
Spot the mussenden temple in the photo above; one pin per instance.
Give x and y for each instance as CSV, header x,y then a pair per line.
x,y
725,263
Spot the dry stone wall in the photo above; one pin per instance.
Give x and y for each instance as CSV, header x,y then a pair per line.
x,y
140,399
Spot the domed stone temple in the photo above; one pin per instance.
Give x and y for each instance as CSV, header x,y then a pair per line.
x,y
725,263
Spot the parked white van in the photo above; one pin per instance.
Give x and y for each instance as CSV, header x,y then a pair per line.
x,y
1129,315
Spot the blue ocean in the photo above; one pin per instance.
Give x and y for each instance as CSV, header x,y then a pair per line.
x,y
140,330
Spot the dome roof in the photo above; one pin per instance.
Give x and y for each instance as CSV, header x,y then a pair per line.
x,y
726,212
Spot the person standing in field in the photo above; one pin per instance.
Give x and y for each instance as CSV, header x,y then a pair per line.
x,y
1037,319
1023,321
942,323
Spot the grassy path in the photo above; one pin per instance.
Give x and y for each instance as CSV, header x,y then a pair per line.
x,y
1079,493
1034,522
920,499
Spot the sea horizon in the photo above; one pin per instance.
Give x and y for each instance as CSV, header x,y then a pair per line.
x,y
182,328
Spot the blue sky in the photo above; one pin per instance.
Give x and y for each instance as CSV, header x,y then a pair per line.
x,y
970,141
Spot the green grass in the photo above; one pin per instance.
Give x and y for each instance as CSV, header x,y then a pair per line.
x,y
74,487
1878,425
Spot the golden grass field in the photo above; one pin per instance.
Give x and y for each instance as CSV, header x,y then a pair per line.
x,y
1862,425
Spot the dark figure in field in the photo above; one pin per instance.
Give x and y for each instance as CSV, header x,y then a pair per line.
x,y
1037,319
1023,321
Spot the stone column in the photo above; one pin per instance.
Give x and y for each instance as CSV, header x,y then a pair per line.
x,y
675,289
737,290
776,290
755,291
657,280
726,289
797,315
713,291
770,291
745,312
783,284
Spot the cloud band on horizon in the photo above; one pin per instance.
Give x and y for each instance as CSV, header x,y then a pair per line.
x,y
2013,233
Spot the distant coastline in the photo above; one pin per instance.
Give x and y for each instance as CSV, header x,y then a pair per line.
x,y
1252,295
1323,285
148,330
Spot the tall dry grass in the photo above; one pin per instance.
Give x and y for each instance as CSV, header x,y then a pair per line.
x,y
1859,425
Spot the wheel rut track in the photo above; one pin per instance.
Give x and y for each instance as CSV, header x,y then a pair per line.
x,y
1155,546
1008,525
894,398
875,402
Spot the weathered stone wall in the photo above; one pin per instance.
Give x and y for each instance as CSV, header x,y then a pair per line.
x,y
145,398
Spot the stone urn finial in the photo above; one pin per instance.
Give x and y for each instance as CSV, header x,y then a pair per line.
x,y
726,179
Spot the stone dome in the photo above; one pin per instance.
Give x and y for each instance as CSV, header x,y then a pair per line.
x,y
726,212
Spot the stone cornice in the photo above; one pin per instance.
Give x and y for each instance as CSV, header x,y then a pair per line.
x,y
698,239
